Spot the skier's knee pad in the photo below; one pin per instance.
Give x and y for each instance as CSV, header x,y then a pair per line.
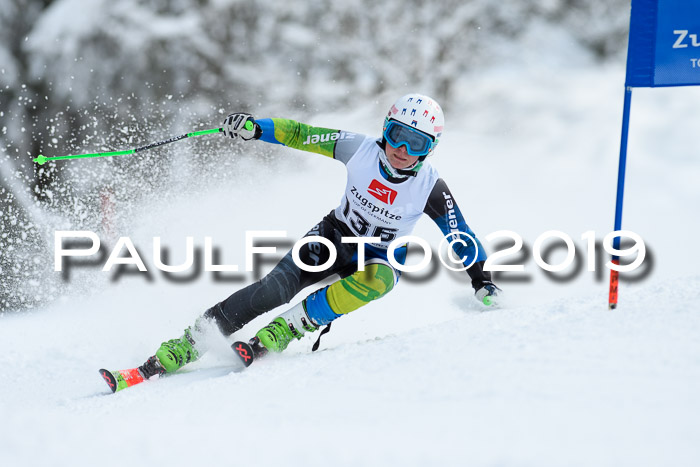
x,y
360,288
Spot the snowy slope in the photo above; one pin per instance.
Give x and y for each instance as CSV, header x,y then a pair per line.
x,y
423,377
563,383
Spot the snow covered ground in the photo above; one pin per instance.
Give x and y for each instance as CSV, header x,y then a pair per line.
x,y
423,377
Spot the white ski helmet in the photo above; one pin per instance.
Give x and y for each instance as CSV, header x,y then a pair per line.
x,y
420,112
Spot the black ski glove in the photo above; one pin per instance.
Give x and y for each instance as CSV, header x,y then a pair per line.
x,y
243,125
487,294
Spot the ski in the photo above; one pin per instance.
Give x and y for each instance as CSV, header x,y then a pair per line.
x,y
122,379
249,351
118,380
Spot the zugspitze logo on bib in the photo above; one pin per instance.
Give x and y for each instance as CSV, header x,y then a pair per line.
x,y
382,193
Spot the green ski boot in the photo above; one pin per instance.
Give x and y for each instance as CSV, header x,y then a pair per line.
x,y
176,353
292,324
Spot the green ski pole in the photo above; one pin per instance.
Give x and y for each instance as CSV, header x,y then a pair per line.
x,y
41,160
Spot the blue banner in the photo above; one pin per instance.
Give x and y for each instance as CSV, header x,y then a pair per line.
x,y
664,43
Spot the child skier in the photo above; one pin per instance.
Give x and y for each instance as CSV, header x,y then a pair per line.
x,y
390,184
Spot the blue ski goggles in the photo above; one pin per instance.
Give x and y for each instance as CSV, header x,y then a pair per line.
x,y
417,143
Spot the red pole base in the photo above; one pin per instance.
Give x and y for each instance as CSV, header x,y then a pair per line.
x,y
614,280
